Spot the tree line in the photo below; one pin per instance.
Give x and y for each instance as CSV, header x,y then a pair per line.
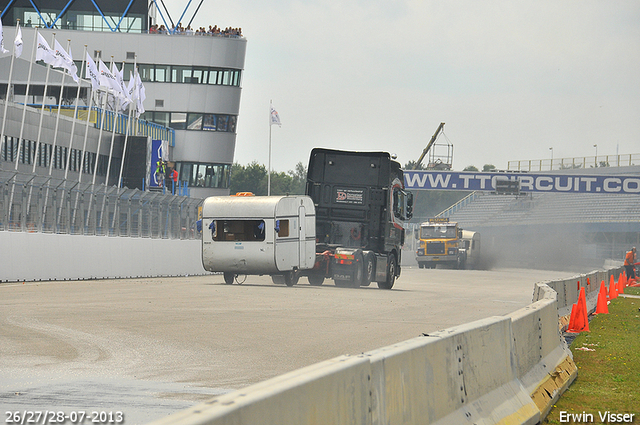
x,y
254,178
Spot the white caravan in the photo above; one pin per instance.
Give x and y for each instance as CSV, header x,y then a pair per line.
x,y
260,235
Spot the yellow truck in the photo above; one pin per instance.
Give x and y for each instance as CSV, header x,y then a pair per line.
x,y
441,241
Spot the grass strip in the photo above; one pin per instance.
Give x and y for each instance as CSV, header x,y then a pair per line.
x,y
608,360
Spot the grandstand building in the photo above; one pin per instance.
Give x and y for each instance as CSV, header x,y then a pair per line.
x,y
554,230
192,83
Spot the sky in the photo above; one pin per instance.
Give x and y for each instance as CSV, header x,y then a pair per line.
x,y
511,80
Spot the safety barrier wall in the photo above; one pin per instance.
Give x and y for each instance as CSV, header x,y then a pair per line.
x,y
568,289
506,370
543,362
464,374
45,256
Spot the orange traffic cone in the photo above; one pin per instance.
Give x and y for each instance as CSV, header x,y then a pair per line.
x,y
602,307
611,283
613,292
581,319
583,300
622,282
572,321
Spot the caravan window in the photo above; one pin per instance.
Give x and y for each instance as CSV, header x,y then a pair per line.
x,y
282,228
239,230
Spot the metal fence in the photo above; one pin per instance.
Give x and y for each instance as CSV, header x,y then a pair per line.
x,y
31,203
597,161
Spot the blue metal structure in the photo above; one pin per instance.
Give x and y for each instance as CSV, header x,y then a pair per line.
x,y
113,26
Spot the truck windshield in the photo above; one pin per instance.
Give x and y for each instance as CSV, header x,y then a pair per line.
x,y
437,232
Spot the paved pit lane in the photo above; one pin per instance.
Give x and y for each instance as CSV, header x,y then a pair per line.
x,y
150,347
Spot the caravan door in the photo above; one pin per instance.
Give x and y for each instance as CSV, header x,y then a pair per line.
x,y
302,236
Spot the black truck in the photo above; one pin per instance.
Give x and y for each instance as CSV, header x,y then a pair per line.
x,y
361,206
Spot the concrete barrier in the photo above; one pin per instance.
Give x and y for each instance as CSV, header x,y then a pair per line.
x,y
544,363
567,291
45,256
460,375
335,391
499,370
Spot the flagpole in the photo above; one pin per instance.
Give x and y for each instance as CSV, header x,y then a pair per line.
x,y
116,107
6,97
44,95
126,134
86,128
55,132
26,98
75,114
104,106
269,170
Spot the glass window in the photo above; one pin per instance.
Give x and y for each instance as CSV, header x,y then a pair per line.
x,y
239,230
180,74
282,228
162,74
210,177
161,118
178,120
128,70
194,122
204,175
213,76
232,123
200,75
226,77
222,122
209,122
146,72
435,232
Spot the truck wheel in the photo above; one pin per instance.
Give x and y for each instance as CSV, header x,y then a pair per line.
x,y
229,277
360,274
369,269
291,278
391,274
315,279
421,265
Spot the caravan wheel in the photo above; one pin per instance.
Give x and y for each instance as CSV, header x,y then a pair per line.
x,y
291,278
229,278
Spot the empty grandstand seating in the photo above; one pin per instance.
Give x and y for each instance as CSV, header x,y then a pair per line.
x,y
488,209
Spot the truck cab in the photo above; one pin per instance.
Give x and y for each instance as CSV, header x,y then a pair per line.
x,y
361,207
440,242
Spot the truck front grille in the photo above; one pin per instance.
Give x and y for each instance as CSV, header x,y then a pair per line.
x,y
435,248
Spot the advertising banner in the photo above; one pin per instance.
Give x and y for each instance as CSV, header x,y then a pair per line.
x,y
528,182
159,150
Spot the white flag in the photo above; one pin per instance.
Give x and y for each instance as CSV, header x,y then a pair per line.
x,y
275,118
141,94
92,72
107,78
44,52
2,49
18,42
131,87
64,60
120,80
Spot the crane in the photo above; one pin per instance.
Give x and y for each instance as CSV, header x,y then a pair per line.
x,y
431,142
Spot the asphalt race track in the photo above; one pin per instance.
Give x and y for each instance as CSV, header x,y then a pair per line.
x,y
150,347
